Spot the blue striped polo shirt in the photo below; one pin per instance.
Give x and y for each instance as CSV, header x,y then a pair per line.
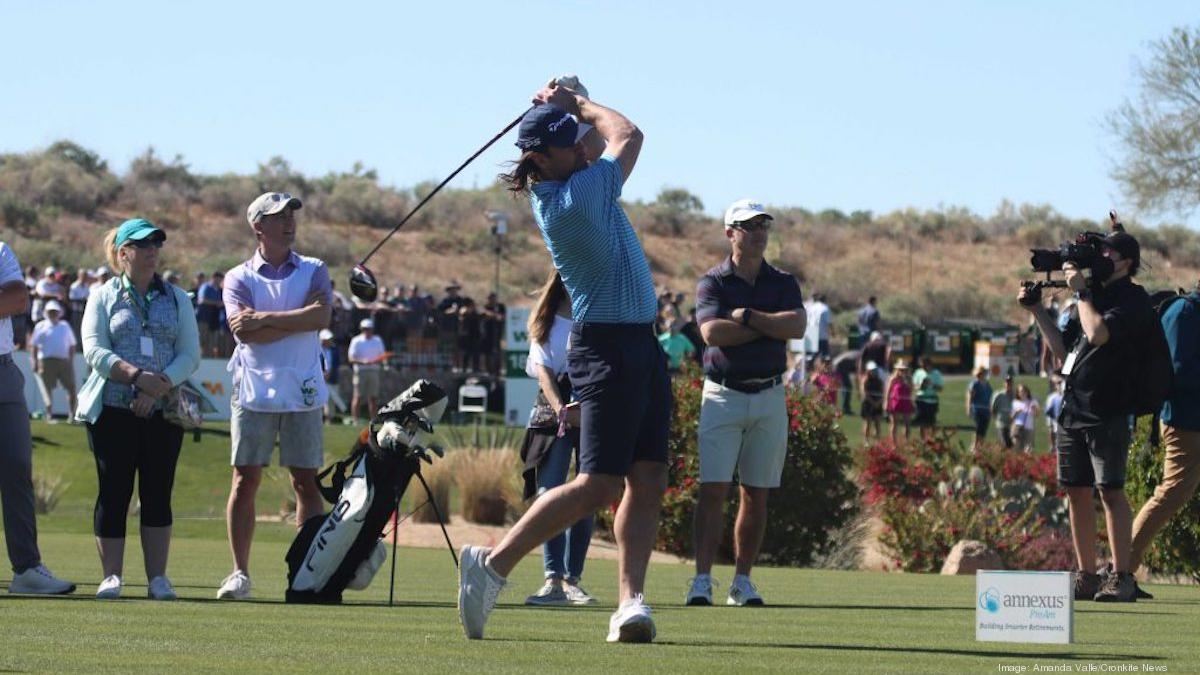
x,y
594,247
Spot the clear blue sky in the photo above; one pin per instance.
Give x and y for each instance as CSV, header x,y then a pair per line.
x,y
847,105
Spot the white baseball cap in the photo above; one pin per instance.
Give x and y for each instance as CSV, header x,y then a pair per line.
x,y
325,334
269,203
53,306
50,271
743,210
366,324
100,271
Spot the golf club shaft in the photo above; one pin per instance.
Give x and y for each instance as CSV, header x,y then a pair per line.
x,y
449,178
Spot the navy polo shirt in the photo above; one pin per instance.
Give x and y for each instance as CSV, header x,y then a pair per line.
x,y
719,292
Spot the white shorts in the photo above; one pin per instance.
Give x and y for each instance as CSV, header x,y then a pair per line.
x,y
301,437
743,431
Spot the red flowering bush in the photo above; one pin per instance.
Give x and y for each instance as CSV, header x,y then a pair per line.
x,y
813,500
932,494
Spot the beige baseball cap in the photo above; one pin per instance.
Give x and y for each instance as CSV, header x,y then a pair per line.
x,y
269,203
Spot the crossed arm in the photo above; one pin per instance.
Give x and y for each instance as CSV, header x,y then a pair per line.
x,y
775,325
256,326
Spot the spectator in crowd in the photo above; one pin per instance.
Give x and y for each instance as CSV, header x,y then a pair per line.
x,y
794,376
928,382
875,350
900,400
197,281
30,576
47,288
494,313
140,340
868,317
100,276
748,310
331,363
1098,351
871,385
979,406
545,452
676,346
846,367
824,380
1053,408
1025,410
277,303
470,336
367,354
77,296
822,316
209,310
1179,428
1001,409
447,313
52,351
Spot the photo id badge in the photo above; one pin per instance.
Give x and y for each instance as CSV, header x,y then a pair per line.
x,y
147,346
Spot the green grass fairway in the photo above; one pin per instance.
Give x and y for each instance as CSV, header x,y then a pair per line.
x,y
822,621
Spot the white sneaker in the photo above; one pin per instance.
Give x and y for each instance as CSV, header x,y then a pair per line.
x,y
576,595
235,587
478,588
110,588
160,588
549,595
700,591
742,593
39,581
631,622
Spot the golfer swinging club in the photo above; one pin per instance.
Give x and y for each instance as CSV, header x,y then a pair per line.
x,y
617,369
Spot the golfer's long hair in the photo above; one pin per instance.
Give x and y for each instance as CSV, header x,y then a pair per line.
x,y
553,294
523,175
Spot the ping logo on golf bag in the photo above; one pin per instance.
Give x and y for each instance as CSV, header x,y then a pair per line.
x,y
337,534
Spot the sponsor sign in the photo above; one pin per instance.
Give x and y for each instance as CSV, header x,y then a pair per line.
x,y
1024,607
519,394
516,332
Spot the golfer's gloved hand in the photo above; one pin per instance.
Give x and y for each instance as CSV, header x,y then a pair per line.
x,y
571,81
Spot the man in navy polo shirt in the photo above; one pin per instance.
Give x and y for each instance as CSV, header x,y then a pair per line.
x,y
617,369
747,311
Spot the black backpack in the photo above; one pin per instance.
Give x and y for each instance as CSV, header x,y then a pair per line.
x,y
1154,370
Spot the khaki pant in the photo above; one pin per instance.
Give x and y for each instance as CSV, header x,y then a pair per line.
x,y
57,372
1181,475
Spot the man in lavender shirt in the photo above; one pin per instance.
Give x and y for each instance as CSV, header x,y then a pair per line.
x,y
277,303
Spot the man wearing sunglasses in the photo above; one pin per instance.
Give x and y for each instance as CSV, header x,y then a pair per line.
x,y
277,303
747,311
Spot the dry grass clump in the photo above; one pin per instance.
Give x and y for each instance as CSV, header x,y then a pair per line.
x,y
47,492
440,478
487,481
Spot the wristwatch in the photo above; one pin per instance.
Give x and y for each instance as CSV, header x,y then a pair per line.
x,y
136,375
1085,294
746,316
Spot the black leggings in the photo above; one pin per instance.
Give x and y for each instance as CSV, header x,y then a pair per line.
x,y
125,444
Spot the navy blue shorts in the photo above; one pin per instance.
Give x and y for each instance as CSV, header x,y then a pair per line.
x,y
619,375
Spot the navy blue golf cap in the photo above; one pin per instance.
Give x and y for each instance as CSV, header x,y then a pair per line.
x,y
546,126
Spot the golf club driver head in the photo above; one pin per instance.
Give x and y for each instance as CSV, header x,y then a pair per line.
x,y
363,284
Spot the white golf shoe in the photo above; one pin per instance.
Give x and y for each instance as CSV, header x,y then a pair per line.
x,y
478,588
700,590
235,587
110,588
742,593
632,622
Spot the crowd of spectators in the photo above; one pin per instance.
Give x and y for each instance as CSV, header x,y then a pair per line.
x,y
417,329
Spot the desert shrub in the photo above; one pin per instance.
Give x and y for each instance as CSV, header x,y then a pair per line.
x,y
17,214
47,492
814,499
487,481
63,176
1176,549
930,494
156,186
358,198
228,194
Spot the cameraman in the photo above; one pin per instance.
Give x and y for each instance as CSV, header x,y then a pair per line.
x,y
1093,446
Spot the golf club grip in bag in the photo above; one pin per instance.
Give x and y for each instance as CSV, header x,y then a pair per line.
x,y
329,549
